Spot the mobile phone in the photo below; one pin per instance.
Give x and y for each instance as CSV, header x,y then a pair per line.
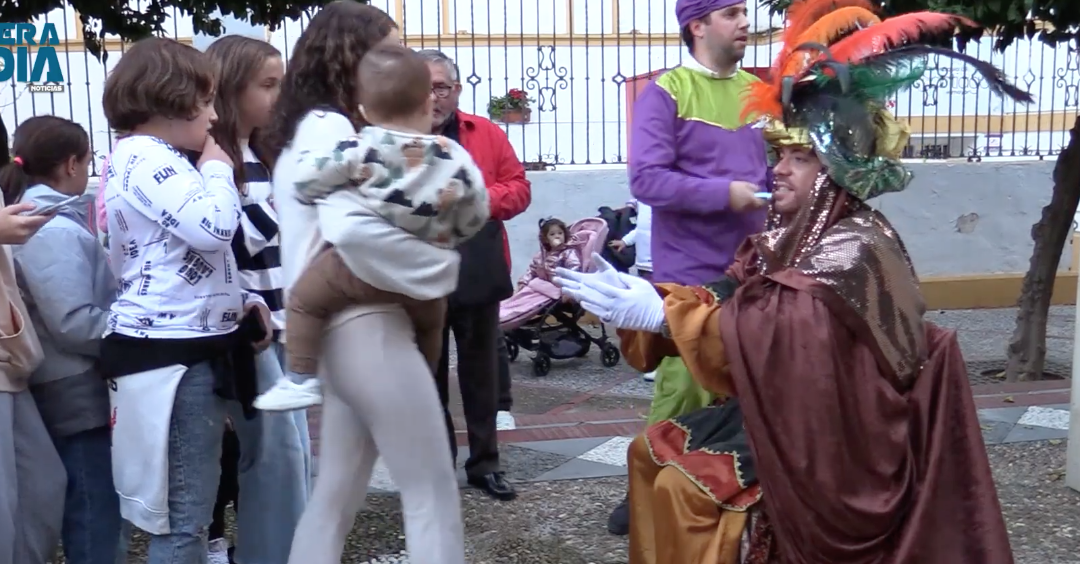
x,y
52,208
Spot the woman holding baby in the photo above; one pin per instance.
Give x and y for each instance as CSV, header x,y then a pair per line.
x,y
378,393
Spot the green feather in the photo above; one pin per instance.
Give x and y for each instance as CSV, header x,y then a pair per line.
x,y
879,78
880,82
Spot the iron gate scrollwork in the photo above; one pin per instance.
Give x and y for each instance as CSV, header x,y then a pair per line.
x,y
1068,78
553,77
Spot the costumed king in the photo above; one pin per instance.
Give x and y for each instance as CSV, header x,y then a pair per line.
x,y
853,438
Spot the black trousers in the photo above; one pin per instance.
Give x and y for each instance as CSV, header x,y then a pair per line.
x,y
476,332
229,485
506,401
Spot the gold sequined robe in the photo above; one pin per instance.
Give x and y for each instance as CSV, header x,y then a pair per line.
x,y
861,430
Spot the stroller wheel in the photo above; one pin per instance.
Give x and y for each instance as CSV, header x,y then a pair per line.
x,y
609,355
512,350
541,365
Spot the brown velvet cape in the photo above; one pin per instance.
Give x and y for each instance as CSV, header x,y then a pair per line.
x,y
856,469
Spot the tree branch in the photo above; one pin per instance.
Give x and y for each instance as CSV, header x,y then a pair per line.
x,y
102,18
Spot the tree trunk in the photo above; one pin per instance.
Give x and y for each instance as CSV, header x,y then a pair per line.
x,y
1027,349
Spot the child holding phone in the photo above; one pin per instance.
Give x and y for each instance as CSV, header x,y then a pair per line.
x,y
66,284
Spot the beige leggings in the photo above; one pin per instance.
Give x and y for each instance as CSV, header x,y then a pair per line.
x,y
379,397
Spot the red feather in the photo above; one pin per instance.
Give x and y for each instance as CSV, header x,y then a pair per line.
x,y
895,32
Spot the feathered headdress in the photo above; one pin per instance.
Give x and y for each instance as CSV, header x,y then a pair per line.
x,y
838,66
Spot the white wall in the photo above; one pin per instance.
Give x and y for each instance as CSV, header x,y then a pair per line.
x,y
955,218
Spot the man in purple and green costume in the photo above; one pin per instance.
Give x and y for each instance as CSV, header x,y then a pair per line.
x,y
698,166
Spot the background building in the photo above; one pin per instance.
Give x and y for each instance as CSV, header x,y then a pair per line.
x,y
583,61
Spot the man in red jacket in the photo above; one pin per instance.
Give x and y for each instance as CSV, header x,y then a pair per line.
x,y
473,313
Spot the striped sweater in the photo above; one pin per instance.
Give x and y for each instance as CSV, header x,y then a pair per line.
x,y
256,245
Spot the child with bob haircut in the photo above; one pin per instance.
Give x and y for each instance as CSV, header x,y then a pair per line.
x,y
274,455
182,334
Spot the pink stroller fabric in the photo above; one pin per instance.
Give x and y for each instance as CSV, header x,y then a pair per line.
x,y
99,218
587,236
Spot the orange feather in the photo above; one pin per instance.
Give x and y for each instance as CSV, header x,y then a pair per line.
x,y
801,16
823,21
834,24
895,32
762,99
804,13
825,31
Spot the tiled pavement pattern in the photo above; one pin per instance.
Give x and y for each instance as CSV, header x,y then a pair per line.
x,y
600,457
1018,424
577,422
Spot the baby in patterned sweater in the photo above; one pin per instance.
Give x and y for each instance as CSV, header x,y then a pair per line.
x,y
425,184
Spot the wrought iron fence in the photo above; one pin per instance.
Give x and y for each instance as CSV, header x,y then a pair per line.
x,y
583,69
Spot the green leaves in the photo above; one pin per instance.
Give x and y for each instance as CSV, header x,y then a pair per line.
x,y
120,18
1050,21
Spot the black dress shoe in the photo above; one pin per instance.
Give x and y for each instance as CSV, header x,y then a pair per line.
x,y
495,485
619,521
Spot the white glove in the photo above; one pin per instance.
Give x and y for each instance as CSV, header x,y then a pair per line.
x,y
574,281
604,273
625,301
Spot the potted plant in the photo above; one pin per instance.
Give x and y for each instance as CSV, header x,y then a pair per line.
x,y
511,108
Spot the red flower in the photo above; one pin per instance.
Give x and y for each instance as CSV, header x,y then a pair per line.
x,y
517,94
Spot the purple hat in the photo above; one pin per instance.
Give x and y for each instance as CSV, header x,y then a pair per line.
x,y
687,11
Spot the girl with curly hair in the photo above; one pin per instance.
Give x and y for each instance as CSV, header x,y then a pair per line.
x,y
379,395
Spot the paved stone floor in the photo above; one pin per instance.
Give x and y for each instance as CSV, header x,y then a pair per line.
x,y
605,456
562,522
567,457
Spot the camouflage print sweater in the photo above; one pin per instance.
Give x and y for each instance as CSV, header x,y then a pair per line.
x,y
427,185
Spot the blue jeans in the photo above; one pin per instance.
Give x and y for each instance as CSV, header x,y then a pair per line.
x,y
91,531
195,431
275,472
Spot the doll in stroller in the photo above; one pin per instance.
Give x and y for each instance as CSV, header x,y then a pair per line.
x,y
537,317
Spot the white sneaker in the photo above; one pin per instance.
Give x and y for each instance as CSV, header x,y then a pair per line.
x,y
649,376
504,421
287,395
219,552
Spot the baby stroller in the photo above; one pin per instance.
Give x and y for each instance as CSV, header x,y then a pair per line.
x,y
536,319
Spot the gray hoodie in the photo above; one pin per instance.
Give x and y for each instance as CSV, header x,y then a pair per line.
x,y
67,285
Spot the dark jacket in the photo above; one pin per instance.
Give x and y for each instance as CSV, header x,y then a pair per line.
x,y
485,258
619,222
